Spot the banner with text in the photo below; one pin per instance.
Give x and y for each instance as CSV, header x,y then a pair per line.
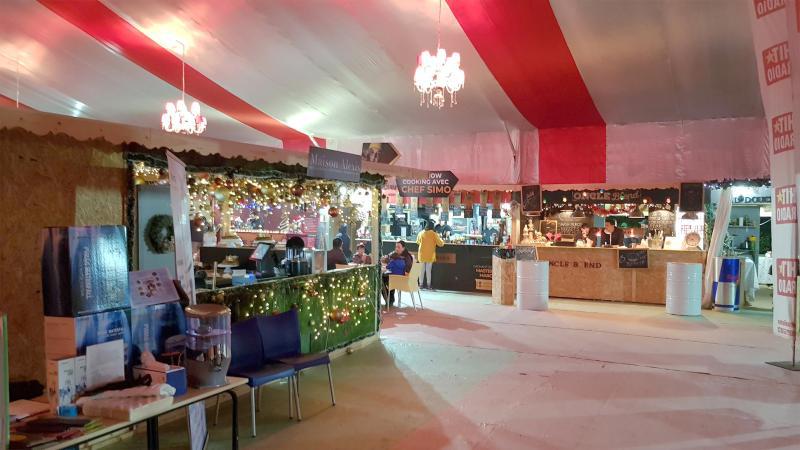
x,y
771,24
179,201
333,165
438,184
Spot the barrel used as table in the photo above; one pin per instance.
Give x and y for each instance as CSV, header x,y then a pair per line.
x,y
533,284
684,288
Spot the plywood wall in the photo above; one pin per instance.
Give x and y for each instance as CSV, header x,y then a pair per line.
x,y
47,181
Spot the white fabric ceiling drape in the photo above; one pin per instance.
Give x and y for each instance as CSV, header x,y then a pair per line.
x,y
721,221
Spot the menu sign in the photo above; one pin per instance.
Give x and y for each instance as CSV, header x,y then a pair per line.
x,y
662,220
333,165
632,259
437,184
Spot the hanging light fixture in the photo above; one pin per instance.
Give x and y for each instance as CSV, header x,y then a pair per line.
x,y
439,73
178,118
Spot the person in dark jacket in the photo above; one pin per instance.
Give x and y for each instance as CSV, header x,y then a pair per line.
x,y
345,241
613,235
336,255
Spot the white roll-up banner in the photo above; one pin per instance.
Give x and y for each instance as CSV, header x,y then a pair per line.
x,y
771,25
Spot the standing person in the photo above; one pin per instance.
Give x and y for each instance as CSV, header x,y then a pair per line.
x,y
360,256
398,262
613,235
336,255
428,240
342,235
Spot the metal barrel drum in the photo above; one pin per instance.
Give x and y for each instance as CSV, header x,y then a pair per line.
x,y
533,285
726,290
684,288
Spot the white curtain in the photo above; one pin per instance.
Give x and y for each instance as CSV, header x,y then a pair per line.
x,y
723,217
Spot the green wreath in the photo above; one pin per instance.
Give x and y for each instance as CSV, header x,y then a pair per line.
x,y
159,235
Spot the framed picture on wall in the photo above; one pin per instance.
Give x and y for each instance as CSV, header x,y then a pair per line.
x,y
548,226
531,198
380,152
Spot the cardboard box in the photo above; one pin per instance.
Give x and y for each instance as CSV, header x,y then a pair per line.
x,y
175,377
159,329
84,270
66,337
80,375
60,382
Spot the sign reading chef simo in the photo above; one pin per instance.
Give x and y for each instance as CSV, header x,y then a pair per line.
x,y
438,184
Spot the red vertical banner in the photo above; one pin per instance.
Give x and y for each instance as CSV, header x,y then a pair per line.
x,y
772,24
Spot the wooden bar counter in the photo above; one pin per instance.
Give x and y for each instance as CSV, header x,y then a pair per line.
x,y
594,273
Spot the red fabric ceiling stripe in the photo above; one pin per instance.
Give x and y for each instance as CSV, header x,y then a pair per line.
x,y
111,30
522,45
11,103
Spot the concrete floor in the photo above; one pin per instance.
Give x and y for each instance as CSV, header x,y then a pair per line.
x,y
465,373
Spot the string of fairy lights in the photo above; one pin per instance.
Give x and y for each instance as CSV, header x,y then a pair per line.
x,y
334,307
351,202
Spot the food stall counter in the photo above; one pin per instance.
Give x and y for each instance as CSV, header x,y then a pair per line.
x,y
614,274
459,267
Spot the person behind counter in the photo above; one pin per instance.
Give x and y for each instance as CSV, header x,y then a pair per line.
x,y
612,235
428,240
345,241
585,235
443,229
361,257
336,254
398,262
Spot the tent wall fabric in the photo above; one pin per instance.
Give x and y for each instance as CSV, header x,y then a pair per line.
x,y
646,153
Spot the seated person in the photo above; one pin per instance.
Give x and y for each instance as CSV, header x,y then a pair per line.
x,y
336,255
398,262
361,257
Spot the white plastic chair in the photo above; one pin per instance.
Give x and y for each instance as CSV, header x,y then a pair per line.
x,y
407,283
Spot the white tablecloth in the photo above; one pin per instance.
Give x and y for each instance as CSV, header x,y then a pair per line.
x,y
765,272
750,280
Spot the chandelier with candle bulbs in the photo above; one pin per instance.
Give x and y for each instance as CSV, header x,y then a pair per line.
x,y
438,74
177,118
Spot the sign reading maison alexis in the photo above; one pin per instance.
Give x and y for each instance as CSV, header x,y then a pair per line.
x,y
333,165
438,184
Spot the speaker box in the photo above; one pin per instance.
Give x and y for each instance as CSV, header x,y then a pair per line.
x,y
691,197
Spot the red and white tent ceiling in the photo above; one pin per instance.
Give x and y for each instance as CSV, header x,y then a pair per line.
x,y
273,72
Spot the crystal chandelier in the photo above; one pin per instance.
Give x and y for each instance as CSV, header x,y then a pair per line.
x,y
178,118
437,74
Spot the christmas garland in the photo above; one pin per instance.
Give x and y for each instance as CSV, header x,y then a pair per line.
x,y
159,235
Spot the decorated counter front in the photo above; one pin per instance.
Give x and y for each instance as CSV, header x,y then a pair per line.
x,y
335,308
616,274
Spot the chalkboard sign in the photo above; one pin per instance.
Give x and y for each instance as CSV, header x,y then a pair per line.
x,y
633,259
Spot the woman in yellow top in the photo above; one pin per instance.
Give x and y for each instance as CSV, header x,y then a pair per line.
x,y
428,240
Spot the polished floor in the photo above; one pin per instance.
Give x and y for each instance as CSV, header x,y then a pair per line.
x,y
466,374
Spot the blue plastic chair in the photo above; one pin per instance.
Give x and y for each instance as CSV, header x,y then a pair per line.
x,y
281,343
248,362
